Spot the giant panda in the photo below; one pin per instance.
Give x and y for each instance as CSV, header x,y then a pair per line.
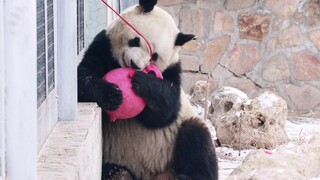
x,y
167,140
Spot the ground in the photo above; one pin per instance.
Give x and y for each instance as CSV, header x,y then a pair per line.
x,y
298,128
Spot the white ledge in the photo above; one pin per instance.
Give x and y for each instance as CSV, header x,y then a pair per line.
x,y
73,150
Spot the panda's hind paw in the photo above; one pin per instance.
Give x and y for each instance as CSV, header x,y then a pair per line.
x,y
115,172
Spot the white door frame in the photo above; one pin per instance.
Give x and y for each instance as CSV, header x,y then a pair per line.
x,y
67,59
20,37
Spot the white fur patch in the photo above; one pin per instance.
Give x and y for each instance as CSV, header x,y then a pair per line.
x,y
157,27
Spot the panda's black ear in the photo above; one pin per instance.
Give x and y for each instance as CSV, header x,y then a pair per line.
x,y
183,38
147,5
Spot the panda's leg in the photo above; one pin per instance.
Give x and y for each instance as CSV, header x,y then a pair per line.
x,y
116,172
194,155
113,171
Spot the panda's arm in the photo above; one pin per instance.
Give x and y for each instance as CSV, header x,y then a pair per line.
x,y
96,62
162,96
91,88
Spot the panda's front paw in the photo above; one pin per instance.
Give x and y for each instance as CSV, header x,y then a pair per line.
x,y
141,83
109,96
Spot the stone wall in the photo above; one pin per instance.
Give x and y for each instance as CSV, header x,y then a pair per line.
x,y
253,45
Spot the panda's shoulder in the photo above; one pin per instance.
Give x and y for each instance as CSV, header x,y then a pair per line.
x,y
98,57
173,70
173,73
100,43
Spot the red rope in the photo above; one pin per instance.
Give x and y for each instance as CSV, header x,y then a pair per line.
x,y
147,42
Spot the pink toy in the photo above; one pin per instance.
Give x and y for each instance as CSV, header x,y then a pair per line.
x,y
132,104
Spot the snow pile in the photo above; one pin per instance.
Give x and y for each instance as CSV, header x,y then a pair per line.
x,y
291,161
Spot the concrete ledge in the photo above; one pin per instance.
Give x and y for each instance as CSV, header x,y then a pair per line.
x,y
73,150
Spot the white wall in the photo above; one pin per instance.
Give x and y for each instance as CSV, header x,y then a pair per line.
x,y
20,89
1,92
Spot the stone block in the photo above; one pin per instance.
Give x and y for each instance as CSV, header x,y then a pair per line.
x,y
283,8
192,46
305,98
276,68
255,76
195,21
223,22
253,26
243,58
174,11
214,52
287,38
279,23
221,73
243,84
306,66
314,36
239,4
190,62
312,12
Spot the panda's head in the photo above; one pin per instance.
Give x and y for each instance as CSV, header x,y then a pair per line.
x,y
157,26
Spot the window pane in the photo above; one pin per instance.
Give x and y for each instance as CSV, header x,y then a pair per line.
x,y
80,24
126,3
50,40
41,50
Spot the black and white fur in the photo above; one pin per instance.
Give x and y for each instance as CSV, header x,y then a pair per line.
x,y
166,140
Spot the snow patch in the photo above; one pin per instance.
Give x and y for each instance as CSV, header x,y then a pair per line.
x,y
267,100
232,154
242,97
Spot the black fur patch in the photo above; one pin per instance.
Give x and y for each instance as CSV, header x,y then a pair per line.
x,y
97,61
155,56
183,38
162,96
147,5
194,155
116,172
135,42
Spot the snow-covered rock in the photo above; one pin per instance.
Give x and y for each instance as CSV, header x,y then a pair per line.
x,y
199,93
244,123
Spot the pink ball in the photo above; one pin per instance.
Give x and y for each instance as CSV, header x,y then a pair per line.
x,y
132,104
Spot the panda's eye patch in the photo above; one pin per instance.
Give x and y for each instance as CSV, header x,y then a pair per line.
x,y
155,56
135,42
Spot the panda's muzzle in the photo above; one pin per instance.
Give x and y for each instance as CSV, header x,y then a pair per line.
x,y
133,65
